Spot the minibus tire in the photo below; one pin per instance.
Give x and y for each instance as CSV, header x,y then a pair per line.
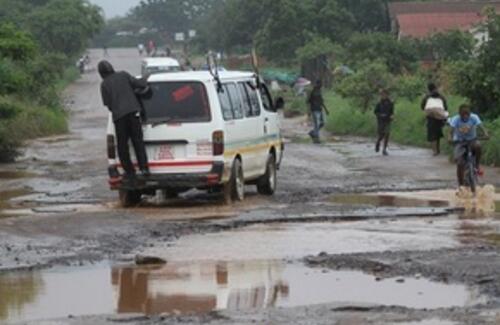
x,y
266,185
129,198
234,189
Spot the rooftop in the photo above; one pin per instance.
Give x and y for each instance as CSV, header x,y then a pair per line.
x,y
421,19
415,7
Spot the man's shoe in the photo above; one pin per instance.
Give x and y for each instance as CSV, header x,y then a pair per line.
x,y
385,153
129,180
145,173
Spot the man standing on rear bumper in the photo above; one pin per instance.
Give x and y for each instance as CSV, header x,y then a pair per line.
x,y
118,90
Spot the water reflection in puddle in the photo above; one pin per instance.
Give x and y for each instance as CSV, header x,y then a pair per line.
x,y
7,196
386,200
433,321
15,174
6,204
185,288
486,202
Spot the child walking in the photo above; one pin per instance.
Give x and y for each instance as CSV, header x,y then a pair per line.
x,y
384,112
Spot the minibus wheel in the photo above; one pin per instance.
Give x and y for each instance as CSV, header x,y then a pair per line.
x,y
234,189
266,185
129,198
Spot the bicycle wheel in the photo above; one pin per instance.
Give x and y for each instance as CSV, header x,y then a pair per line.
x,y
471,177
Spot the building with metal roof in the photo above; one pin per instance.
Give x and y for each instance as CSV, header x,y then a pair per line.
x,y
422,19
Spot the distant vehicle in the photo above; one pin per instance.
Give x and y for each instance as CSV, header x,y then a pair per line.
x,y
159,65
209,132
205,67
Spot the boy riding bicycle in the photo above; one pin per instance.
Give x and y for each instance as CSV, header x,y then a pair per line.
x,y
463,134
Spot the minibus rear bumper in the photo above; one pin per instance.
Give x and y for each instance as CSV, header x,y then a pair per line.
x,y
168,181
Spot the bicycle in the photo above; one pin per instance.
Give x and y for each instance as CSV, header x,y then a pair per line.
x,y
469,164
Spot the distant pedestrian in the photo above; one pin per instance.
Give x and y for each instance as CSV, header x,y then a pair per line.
x,y
118,90
105,51
317,105
140,48
384,111
435,102
151,48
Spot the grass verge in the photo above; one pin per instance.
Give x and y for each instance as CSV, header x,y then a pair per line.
x,y
21,120
408,127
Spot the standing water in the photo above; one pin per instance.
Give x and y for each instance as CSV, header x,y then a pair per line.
x,y
181,288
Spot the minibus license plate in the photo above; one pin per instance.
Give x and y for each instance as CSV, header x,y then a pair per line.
x,y
164,152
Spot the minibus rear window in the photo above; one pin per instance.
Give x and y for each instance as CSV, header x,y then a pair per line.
x,y
177,102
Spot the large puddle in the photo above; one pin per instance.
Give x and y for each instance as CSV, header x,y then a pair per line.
x,y
485,203
187,287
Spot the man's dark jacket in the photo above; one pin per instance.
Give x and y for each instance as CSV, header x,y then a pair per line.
x,y
118,93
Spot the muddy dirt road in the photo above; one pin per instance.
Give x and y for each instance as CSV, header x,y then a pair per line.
x,y
350,238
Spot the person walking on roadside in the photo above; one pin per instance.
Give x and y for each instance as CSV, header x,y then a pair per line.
x,y
118,90
317,105
435,123
140,48
384,111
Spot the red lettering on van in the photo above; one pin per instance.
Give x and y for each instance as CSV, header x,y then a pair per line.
x,y
183,93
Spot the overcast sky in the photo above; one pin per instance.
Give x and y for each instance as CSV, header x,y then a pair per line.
x,y
114,8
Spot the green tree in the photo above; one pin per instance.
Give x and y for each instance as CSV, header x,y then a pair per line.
x,y
233,24
363,87
453,46
479,79
65,26
291,22
171,16
369,15
15,44
399,56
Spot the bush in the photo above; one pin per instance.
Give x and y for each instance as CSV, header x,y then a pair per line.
x,y
12,77
8,144
8,108
478,79
491,148
410,87
363,87
454,45
20,121
398,55
15,44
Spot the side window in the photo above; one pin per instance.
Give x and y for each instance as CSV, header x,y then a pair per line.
x,y
254,98
236,101
247,107
266,98
225,104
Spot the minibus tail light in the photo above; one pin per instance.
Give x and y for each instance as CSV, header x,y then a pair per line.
x,y
111,147
218,143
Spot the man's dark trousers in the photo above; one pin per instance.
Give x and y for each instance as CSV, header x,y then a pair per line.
x,y
129,128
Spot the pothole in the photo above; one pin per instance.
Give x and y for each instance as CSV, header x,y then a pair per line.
x,y
15,174
6,198
485,203
386,200
198,287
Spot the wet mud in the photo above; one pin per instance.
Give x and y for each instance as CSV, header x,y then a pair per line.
x,y
202,287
